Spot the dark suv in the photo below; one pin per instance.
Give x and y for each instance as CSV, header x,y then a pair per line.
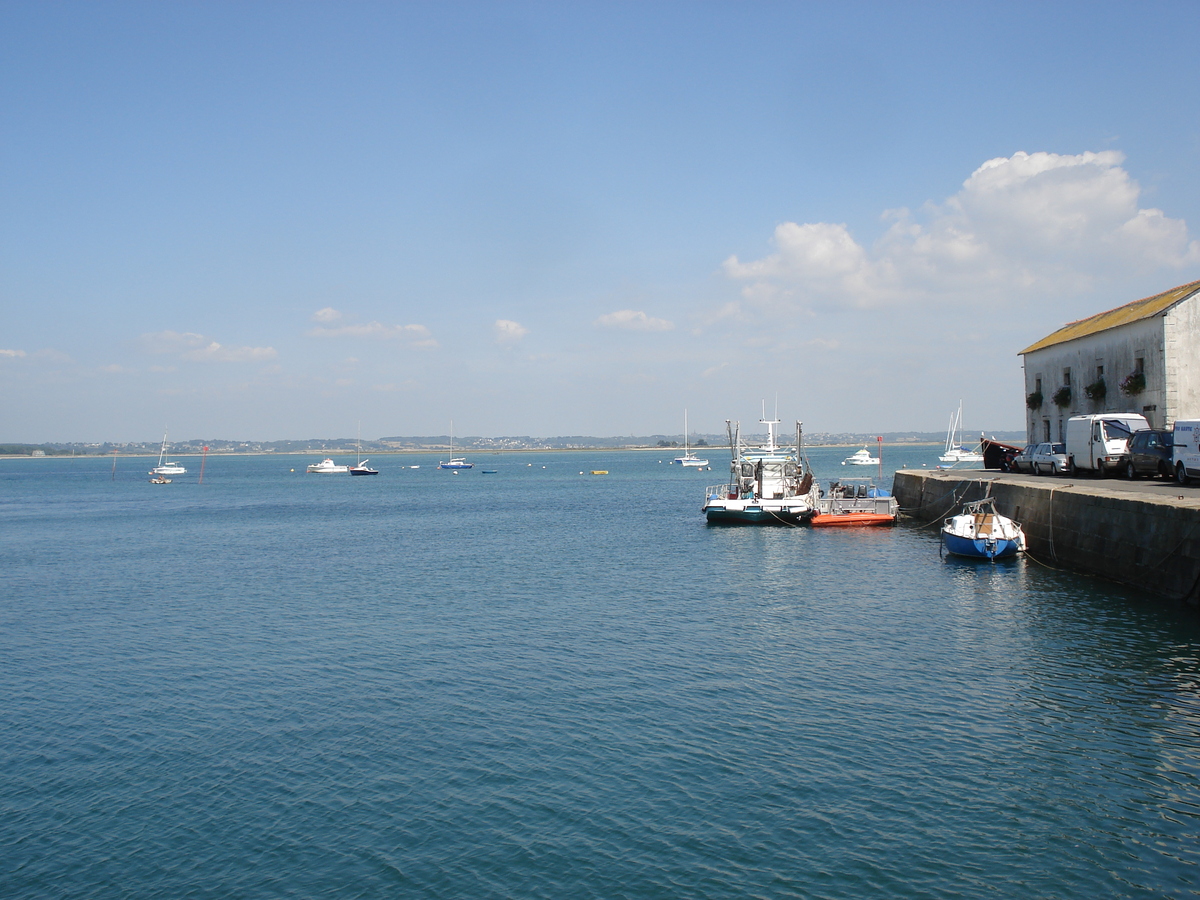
x,y
1150,453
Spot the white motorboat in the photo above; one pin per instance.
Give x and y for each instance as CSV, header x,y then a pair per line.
x,y
861,457
689,459
979,532
767,485
327,467
955,451
165,466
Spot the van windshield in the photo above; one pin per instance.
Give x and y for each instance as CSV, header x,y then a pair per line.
x,y
1114,428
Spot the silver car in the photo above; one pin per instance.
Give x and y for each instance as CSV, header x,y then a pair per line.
x,y
1050,458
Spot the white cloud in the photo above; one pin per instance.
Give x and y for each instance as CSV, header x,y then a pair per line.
x,y
214,352
12,354
328,314
197,348
417,335
171,342
631,320
1032,223
508,332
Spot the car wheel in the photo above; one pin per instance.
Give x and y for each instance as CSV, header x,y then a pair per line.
x,y
1181,474
1129,472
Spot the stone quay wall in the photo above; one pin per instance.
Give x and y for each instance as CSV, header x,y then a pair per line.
x,y
1149,541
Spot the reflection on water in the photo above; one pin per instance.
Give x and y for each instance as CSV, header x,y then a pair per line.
x,y
539,684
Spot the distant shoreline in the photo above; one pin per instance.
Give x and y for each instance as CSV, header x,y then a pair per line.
x,y
426,452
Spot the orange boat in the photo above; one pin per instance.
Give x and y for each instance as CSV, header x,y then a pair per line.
x,y
855,501
852,518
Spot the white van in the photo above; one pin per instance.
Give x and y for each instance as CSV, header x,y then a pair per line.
x,y
1101,443
1187,450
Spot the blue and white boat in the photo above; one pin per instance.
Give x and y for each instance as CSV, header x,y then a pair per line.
x,y
979,532
768,485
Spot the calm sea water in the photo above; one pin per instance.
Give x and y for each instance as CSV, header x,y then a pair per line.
x,y
545,684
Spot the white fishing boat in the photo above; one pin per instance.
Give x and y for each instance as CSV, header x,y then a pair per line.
x,y
861,457
979,532
165,466
455,462
688,459
956,451
327,467
767,485
160,479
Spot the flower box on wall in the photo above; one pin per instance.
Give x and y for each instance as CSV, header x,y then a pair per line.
x,y
1062,397
1097,390
1034,400
1133,383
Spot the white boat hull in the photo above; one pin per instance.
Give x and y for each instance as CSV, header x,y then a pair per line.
x,y
327,467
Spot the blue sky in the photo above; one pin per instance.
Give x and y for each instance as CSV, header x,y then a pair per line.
x,y
279,220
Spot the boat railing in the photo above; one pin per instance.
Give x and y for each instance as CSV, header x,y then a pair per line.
x,y
720,491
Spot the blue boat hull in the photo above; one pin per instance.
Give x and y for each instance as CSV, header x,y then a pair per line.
x,y
980,548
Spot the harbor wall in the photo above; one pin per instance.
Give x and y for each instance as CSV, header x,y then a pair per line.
x,y
1149,541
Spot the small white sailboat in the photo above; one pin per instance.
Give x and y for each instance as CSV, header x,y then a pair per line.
x,y
979,532
362,468
455,462
688,459
165,466
955,451
861,457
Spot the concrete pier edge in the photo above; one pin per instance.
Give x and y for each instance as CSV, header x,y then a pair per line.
x,y
1148,542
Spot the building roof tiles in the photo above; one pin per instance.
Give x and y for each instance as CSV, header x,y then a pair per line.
x,y
1122,315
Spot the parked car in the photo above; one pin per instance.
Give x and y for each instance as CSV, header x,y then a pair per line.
x,y
1151,453
1023,461
1039,458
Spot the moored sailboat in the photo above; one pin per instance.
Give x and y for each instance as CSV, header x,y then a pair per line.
x,y
979,532
165,466
455,462
689,459
955,451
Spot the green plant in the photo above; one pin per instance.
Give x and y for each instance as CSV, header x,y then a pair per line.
x,y
1097,390
1034,400
1133,383
1062,397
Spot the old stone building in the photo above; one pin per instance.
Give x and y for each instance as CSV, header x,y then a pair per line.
x,y
1141,357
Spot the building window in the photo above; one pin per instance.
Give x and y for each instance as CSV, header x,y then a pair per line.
x,y
1099,371
1045,430
1066,377
1037,384
1139,365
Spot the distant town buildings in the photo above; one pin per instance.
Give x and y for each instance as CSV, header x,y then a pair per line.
x,y
1142,357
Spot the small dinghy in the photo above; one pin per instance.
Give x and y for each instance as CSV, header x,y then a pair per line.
x,y
979,532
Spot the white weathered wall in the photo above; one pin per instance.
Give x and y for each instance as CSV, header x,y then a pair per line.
x,y
1116,349
1182,359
